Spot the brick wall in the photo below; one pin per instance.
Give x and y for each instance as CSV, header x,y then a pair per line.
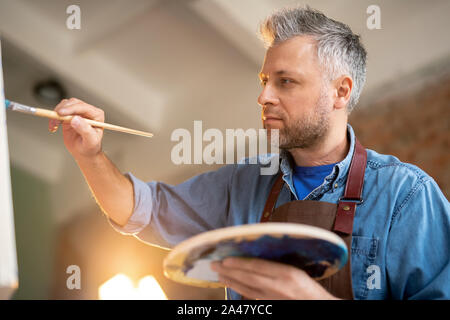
x,y
413,126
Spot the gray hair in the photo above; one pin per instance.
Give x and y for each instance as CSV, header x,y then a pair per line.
x,y
339,50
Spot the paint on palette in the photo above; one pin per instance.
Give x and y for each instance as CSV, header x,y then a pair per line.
x,y
314,256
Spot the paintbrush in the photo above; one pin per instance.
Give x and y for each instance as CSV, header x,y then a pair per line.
x,y
14,106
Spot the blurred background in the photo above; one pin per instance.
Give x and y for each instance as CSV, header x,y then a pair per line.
x,y
158,65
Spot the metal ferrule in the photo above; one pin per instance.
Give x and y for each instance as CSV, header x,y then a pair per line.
x,y
21,108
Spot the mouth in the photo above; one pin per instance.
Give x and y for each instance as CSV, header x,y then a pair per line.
x,y
270,118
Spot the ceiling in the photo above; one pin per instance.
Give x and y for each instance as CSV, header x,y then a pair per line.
x,y
159,65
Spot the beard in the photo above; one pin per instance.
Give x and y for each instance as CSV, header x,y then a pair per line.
x,y
308,131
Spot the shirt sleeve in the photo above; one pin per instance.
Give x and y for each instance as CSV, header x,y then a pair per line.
x,y
165,215
418,248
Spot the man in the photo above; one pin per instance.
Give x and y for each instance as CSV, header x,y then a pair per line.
x,y
312,76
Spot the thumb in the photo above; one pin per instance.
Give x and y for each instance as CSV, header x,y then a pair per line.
x,y
82,128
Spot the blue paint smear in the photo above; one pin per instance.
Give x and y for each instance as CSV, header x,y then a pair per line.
x,y
314,256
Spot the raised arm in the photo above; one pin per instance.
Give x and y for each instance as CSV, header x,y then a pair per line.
x,y
112,190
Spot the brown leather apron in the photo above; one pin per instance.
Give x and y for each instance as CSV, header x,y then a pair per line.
x,y
330,216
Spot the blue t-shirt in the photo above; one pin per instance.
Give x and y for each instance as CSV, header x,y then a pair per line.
x,y
306,179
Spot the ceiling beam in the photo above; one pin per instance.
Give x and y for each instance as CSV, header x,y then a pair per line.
x,y
111,19
236,23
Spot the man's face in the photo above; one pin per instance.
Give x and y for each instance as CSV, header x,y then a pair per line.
x,y
294,98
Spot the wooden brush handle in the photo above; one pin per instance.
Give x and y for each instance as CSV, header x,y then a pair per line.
x,y
54,115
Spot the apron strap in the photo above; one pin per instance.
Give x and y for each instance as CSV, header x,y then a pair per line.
x,y
353,191
272,198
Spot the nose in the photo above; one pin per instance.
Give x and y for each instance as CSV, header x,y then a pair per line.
x,y
267,96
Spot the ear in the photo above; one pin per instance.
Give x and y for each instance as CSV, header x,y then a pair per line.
x,y
343,89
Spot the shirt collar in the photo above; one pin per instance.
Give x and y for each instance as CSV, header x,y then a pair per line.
x,y
340,170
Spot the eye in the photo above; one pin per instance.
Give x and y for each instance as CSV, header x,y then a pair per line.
x,y
285,81
263,82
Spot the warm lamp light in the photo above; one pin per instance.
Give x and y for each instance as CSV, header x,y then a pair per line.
x,y
149,289
120,287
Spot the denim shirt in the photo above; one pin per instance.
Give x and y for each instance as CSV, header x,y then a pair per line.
x,y
401,232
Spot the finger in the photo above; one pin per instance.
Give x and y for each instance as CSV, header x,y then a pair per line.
x,y
61,103
65,103
83,128
260,266
84,110
53,125
241,288
250,279
76,106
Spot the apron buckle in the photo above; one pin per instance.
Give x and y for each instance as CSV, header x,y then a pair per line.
x,y
357,201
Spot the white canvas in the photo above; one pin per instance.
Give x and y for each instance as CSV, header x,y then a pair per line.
x,y
8,257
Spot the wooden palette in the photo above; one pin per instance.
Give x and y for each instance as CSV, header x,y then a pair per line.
x,y
317,251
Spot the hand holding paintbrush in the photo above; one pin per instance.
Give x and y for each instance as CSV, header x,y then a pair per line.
x,y
54,115
83,124
81,139
112,190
